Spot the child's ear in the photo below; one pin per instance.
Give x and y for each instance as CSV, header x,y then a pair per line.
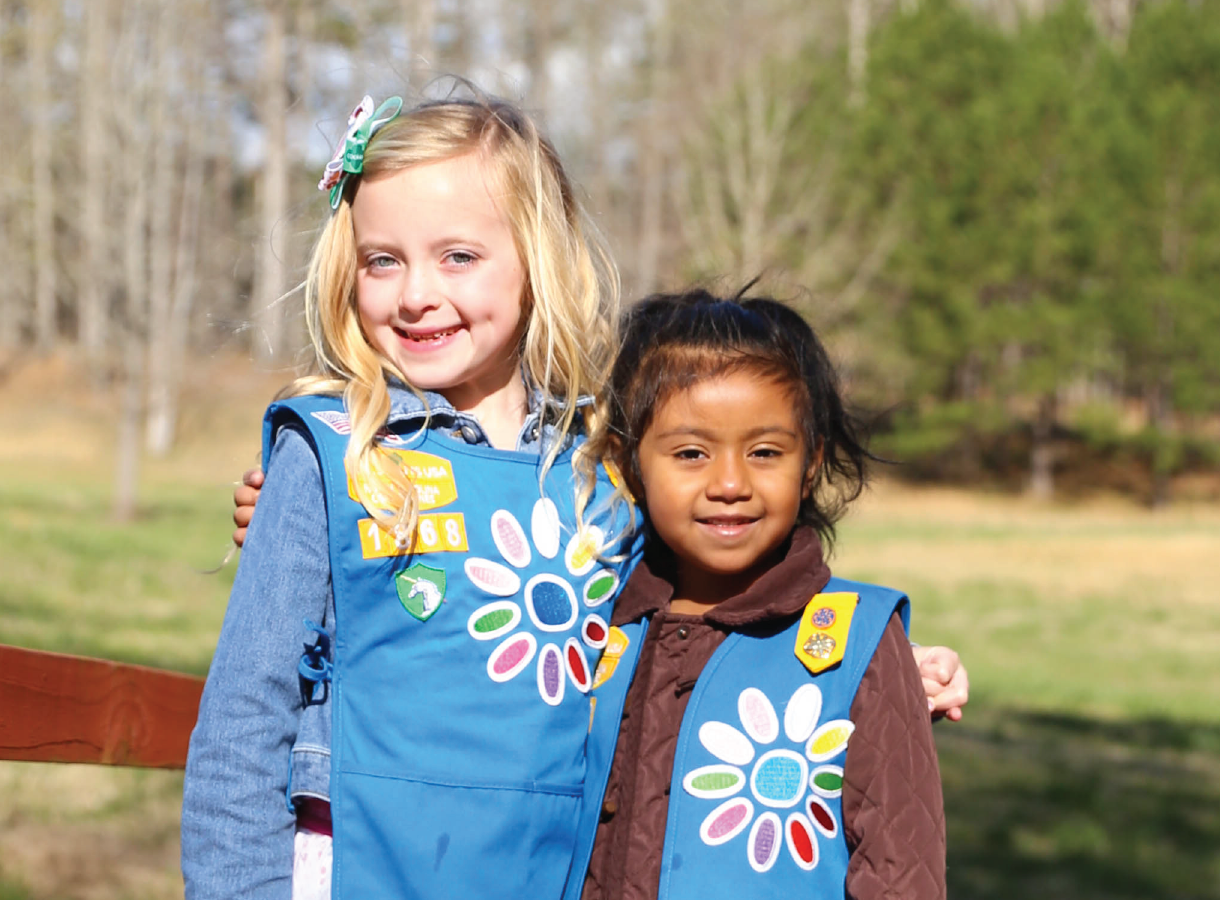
x,y
811,471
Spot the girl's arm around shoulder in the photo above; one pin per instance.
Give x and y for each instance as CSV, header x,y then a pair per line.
x,y
893,812
237,829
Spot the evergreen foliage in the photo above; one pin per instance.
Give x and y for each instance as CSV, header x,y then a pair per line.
x,y
1058,205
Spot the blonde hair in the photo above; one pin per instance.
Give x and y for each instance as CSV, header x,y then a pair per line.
x,y
570,300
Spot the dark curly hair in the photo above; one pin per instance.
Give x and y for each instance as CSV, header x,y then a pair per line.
x,y
670,341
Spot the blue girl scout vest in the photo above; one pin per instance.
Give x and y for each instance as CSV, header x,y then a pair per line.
x,y
755,806
462,663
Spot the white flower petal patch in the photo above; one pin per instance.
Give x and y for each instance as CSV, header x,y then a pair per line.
x,y
802,713
544,525
726,743
758,716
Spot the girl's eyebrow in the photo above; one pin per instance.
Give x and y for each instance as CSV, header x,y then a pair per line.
x,y
706,434
372,246
450,240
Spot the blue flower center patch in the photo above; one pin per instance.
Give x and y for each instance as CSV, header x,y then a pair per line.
x,y
551,603
779,779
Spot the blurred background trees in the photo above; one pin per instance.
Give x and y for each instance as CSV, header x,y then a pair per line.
x,y
1003,214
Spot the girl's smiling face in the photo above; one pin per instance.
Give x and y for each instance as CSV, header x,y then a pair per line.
x,y
724,468
439,280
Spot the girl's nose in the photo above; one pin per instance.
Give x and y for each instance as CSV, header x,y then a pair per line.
x,y
728,479
419,292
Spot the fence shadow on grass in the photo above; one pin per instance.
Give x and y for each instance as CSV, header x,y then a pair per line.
x,y
1052,806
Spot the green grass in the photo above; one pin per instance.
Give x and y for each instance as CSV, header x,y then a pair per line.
x,y
77,582
1088,765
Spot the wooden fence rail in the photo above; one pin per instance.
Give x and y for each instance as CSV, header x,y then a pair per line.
x,y
60,708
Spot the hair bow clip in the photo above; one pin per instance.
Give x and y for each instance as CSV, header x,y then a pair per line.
x,y
362,124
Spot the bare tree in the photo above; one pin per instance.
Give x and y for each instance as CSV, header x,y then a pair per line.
x,y
421,18
859,14
10,296
131,107
43,17
653,150
96,282
271,272
177,175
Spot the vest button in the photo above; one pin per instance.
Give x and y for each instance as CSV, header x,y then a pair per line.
x,y
609,808
683,632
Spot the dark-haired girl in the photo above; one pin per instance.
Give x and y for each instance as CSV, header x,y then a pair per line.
x,y
767,725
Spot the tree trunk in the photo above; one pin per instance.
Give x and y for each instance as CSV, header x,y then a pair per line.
x,y
1160,418
1042,449
858,25
132,111
652,159
1119,23
538,52
270,312
42,37
158,431
421,16
96,281
10,295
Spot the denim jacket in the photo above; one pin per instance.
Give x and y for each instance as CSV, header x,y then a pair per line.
x,y
256,745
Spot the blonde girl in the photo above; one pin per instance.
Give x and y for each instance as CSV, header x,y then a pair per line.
x,y
428,532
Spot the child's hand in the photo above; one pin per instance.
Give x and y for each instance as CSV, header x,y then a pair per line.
x,y
244,498
944,680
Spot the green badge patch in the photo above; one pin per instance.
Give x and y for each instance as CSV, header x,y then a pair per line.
x,y
421,589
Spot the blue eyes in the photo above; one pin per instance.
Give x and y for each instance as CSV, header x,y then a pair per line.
x,y
458,258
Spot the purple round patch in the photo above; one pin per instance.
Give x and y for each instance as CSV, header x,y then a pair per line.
x,y
823,617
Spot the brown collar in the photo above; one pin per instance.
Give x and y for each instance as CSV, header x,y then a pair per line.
x,y
781,592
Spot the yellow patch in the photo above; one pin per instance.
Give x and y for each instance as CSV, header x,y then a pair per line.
x,y
432,476
822,636
830,739
616,643
435,533
584,552
616,646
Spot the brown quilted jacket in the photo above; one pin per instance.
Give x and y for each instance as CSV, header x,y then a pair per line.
x,y
893,816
